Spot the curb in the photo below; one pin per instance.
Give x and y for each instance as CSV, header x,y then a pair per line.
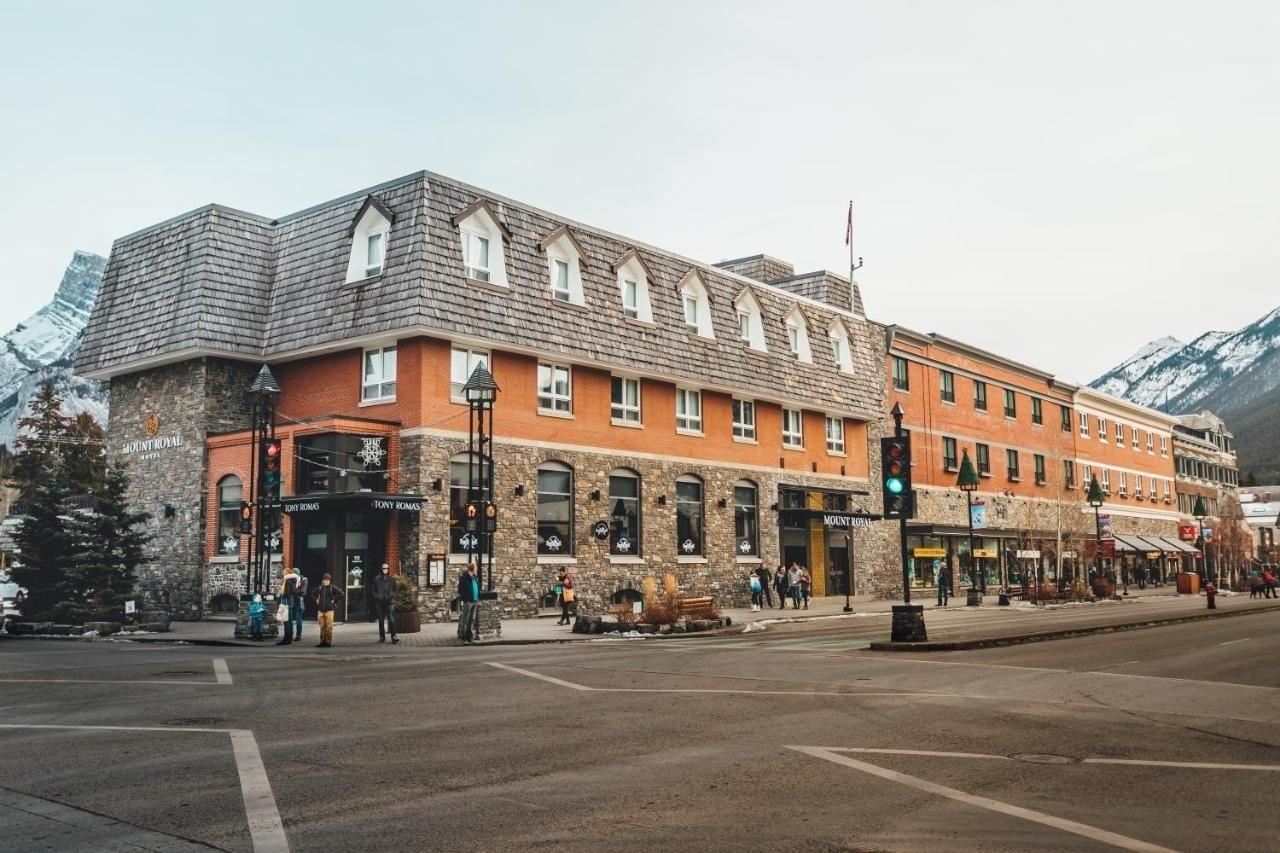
x,y
1063,634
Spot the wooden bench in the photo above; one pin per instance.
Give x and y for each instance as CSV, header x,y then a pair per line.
x,y
696,608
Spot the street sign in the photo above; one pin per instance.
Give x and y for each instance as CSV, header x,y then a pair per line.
x,y
130,607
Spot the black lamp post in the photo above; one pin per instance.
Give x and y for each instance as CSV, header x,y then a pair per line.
x,y
1096,499
480,392
1200,512
263,393
967,481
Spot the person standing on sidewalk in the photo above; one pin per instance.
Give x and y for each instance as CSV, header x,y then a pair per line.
x,y
944,585
806,585
469,605
326,599
753,583
793,585
567,594
766,584
290,601
384,591
780,584
299,608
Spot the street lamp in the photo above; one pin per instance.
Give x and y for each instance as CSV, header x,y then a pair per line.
x,y
1095,499
967,481
1200,512
263,393
480,392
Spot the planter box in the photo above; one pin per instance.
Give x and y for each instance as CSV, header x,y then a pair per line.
x,y
1189,583
408,622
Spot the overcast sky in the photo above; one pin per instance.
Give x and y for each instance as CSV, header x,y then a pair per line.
x,y
1058,182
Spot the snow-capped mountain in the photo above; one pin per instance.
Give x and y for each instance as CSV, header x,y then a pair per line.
x,y
1236,374
42,348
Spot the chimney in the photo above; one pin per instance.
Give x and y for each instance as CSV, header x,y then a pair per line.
x,y
762,268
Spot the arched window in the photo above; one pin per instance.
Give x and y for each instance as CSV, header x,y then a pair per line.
x,y
746,518
460,472
555,508
688,516
230,493
624,512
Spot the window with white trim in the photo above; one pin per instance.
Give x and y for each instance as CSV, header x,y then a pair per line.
x,y
1084,426
555,388
840,349
688,410
555,509
792,428
1120,435
696,305
746,521
744,419
689,516
630,298
475,255
1102,429
1151,442
1124,483
462,363
1137,486
368,245
560,279
230,494
1106,481
625,400
633,285
1133,434
377,244
379,383
798,335
564,266
750,320
1164,446
483,249
1167,486
835,435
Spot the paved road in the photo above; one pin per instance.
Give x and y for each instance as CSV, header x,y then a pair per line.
x,y
793,739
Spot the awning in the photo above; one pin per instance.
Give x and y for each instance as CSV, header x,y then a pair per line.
x,y
377,501
1130,543
1177,545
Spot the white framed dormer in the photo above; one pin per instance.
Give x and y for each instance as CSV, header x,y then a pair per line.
x,y
634,281
483,239
565,260
750,320
369,232
838,335
798,335
695,304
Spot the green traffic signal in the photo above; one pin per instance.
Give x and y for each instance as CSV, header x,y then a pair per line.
x,y
894,484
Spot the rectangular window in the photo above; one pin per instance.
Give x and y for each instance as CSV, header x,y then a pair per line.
x,y
688,410
1040,478
1106,481
1124,483
947,384
1164,446
1102,429
1137,486
1133,434
979,395
373,263
1066,418
555,388
630,298
1166,491
1068,473
379,375
744,419
560,283
1011,457
1010,404
837,353
1037,411
949,460
462,362
900,381
984,459
475,255
1084,425
1120,435
1151,445
792,428
1088,477
691,311
793,339
744,326
835,435
625,400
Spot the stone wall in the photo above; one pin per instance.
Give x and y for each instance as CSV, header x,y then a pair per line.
x,y
183,402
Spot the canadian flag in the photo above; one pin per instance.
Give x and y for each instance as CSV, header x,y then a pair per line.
x,y
848,231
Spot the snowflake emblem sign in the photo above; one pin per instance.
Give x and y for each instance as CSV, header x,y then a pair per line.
x,y
687,546
553,543
371,454
744,546
623,545
230,545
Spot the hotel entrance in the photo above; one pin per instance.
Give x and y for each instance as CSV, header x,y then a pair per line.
x,y
349,546
818,530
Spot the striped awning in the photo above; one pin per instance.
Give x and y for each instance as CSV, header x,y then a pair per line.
x,y
1130,543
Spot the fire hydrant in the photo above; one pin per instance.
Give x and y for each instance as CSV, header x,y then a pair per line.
x,y
1210,592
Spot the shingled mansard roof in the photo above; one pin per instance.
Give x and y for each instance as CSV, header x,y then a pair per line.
x,y
218,281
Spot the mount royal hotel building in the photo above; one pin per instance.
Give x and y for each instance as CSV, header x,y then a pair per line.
x,y
656,414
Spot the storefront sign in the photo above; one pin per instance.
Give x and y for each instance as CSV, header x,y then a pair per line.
x,y
929,552
150,448
1187,532
398,504
990,553
293,507
1068,555
1153,555
1027,555
846,521
978,515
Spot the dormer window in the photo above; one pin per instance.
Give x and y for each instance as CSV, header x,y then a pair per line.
x,y
369,232
840,351
483,238
798,335
696,305
565,259
750,320
633,284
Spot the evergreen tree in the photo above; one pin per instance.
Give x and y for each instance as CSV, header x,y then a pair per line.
x,y
43,434
109,545
84,457
44,548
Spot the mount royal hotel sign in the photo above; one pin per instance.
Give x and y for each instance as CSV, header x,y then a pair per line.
x,y
151,446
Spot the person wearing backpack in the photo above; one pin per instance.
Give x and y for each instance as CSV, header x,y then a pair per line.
x,y
753,582
567,593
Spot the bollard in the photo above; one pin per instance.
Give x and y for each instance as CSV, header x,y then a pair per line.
x,y
974,598
1210,593
908,624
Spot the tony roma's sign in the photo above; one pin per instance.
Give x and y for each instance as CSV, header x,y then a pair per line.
x,y
378,502
397,504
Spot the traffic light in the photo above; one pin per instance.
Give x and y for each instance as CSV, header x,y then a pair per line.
x,y
895,476
271,471
246,517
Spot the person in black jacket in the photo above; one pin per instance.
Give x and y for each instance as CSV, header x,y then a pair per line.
x,y
384,590
469,605
766,583
326,598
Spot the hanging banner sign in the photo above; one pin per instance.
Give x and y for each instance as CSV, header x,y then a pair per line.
x,y
1187,532
978,515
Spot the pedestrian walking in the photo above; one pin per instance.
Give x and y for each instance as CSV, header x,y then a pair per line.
x,y
257,616
1268,584
469,605
326,599
289,605
384,591
766,583
757,590
793,585
780,584
567,594
806,585
944,587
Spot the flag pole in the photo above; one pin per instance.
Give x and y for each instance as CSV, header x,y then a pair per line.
x,y
848,241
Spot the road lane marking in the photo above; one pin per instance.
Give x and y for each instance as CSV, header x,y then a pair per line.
x,y
98,681
1136,762
540,677
1114,839
266,830
1193,765
1232,642
220,671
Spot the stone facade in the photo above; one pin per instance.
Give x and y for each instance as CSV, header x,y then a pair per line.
x,y
159,421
